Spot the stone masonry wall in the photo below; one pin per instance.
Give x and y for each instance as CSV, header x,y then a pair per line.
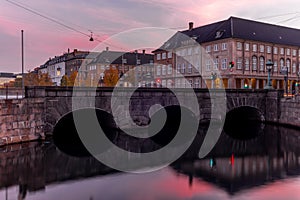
x,y
290,111
21,120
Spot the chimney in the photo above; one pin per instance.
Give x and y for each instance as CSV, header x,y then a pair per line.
x,y
68,50
191,25
144,51
107,48
135,51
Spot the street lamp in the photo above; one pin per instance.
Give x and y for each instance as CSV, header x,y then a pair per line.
x,y
285,72
269,66
213,78
297,85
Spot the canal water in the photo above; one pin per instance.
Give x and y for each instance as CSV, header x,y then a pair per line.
x,y
265,166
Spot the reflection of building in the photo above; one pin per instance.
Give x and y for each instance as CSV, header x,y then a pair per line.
x,y
202,51
134,68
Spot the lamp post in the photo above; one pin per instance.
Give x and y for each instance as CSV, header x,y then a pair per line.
x,y
297,85
213,78
285,72
269,66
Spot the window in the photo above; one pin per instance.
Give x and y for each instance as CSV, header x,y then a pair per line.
x,y
275,67
239,63
138,61
294,67
281,51
224,63
178,68
261,48
281,64
254,48
261,63
224,46
197,85
169,54
294,52
239,46
189,68
163,72
208,65
288,64
183,68
275,50
189,51
216,64
208,49
163,55
157,57
269,49
170,69
158,70
125,60
254,63
196,50
191,82
288,52
247,67
247,46
216,47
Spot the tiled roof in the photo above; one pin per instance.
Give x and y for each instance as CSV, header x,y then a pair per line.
x,y
236,28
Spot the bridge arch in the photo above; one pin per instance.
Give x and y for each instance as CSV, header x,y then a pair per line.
x,y
244,122
65,134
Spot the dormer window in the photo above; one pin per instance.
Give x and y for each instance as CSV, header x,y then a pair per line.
x,y
219,34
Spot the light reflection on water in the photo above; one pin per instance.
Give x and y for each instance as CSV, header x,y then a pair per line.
x,y
266,167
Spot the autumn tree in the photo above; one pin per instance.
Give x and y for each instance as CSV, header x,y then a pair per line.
x,y
72,78
44,80
111,77
64,80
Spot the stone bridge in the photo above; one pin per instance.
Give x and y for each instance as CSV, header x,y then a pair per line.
x,y
43,107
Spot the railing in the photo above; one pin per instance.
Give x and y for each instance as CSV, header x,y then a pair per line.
x,y
11,93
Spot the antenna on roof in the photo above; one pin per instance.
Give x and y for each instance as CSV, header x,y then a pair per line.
x,y
91,37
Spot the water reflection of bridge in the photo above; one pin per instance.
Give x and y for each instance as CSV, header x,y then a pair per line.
x,y
273,155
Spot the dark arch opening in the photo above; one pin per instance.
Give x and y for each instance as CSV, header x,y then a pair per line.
x,y
65,135
244,123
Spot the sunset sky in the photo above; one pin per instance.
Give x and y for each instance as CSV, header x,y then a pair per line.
x,y
106,18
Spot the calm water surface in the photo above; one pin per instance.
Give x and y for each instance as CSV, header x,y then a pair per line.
x,y
264,167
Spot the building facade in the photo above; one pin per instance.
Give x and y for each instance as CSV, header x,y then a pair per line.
x,y
231,54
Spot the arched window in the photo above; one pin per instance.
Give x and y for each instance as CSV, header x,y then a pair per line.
x,y
261,63
288,64
254,63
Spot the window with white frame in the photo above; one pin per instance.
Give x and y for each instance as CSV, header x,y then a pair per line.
x,y
191,82
138,61
288,52
208,48
288,65
208,65
261,63
224,63
216,64
216,47
275,49
239,46
239,63
163,55
294,67
281,51
189,51
261,48
170,69
158,70
189,68
269,49
197,85
294,52
169,54
254,63
178,68
157,57
254,47
275,66
281,64
247,46
224,46
183,68
247,64
164,71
